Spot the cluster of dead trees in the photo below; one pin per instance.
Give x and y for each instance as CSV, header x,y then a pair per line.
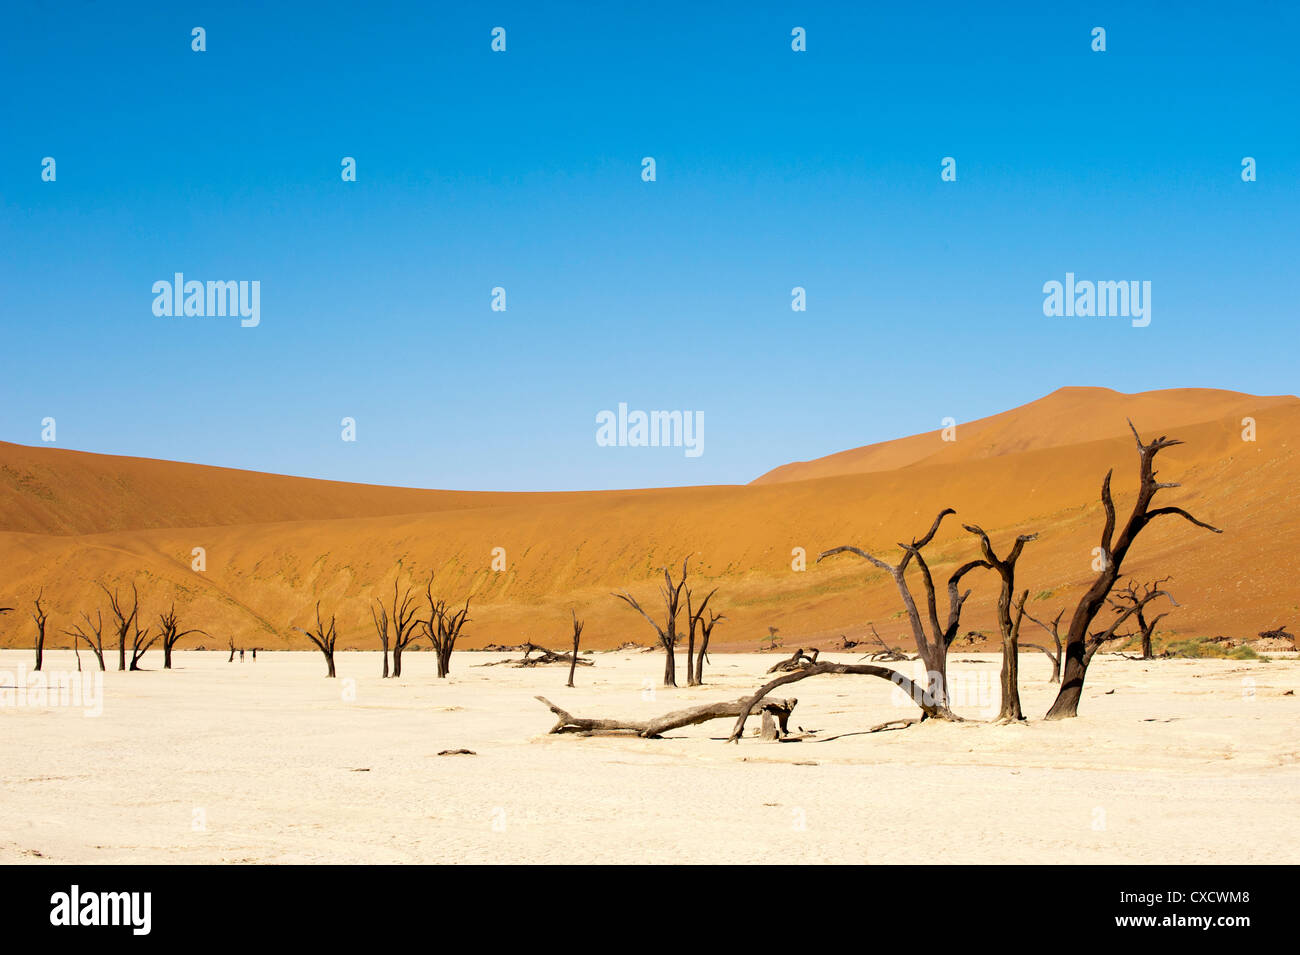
x,y
124,623
934,633
700,620
1081,642
398,624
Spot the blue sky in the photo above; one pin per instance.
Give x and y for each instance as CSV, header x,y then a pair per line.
x,y
522,170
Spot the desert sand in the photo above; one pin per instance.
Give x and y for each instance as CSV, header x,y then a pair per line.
x,y
1171,761
275,545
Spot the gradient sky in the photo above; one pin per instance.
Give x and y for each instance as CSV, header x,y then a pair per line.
x,y
775,169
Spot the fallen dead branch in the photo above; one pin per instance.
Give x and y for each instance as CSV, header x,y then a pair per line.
x,y
798,660
566,722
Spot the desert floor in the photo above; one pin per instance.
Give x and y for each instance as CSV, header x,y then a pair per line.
x,y
1171,761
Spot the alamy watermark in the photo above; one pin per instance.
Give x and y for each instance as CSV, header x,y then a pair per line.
x,y
205,299
651,429
1121,299
69,688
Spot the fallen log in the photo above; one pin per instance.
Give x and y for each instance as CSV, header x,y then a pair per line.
x,y
566,722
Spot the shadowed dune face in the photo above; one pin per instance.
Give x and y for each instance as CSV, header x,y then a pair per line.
x,y
275,545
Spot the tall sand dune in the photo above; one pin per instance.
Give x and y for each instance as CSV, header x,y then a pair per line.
x,y
275,545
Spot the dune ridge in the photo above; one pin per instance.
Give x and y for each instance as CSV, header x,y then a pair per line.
x,y
275,545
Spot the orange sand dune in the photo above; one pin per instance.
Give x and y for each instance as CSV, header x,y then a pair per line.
x,y
275,545
1066,416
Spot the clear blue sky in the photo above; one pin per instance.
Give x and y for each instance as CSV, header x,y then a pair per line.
x,y
523,170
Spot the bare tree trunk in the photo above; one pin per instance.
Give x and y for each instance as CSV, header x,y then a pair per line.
x,y
325,638
932,647
706,631
577,635
672,596
1113,551
39,616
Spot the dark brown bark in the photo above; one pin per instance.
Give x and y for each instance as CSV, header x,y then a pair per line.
x,y
39,616
403,625
1054,631
171,634
123,620
651,729
96,644
1005,568
694,619
577,636
706,632
1078,648
443,628
932,646
324,637
672,597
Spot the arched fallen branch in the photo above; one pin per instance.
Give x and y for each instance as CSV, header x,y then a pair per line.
x,y
798,660
649,729
922,699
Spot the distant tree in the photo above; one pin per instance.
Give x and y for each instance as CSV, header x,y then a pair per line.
x,y
403,623
128,625
171,634
95,628
1135,599
1080,643
772,642
443,627
324,637
39,616
577,636
672,597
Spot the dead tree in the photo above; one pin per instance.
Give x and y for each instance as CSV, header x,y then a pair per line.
x,y
1005,568
381,629
1131,596
706,632
231,658
171,634
96,645
405,626
577,636
694,618
140,644
1099,639
1114,548
1054,631
932,646
672,596
798,660
38,617
654,728
124,621
324,637
443,628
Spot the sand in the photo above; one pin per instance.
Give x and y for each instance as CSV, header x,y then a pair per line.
x,y
1186,761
